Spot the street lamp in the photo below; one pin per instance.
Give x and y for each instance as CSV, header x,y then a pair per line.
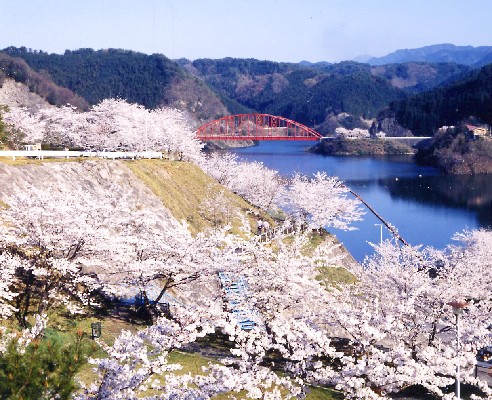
x,y
458,307
95,330
381,231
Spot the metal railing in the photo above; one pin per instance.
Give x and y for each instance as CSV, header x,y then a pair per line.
x,y
42,154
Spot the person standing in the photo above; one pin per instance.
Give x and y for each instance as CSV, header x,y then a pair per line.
x,y
259,225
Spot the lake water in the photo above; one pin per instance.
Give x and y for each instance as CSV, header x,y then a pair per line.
x,y
425,206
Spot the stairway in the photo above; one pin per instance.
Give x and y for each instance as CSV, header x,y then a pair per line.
x,y
236,298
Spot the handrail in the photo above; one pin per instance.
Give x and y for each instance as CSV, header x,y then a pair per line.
x,y
42,154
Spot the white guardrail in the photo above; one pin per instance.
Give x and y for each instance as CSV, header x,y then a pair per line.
x,y
384,138
42,154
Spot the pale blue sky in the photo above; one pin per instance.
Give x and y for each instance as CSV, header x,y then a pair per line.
x,y
288,30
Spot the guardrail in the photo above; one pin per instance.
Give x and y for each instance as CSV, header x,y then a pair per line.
x,y
384,138
407,137
42,154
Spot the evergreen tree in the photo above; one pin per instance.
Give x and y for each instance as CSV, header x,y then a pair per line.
x,y
45,369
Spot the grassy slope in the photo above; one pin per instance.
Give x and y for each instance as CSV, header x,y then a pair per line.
x,y
181,187
25,161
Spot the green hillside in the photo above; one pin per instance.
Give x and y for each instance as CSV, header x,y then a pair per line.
x,y
96,75
307,94
150,80
418,77
449,105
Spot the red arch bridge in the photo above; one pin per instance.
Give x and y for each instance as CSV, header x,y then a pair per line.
x,y
255,127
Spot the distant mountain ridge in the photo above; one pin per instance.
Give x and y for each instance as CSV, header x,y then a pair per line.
x,y
306,93
438,53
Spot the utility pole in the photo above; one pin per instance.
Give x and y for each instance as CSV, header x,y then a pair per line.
x,y
381,233
458,308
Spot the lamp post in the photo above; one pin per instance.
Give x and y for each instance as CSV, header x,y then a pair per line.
x,y
95,330
381,233
457,308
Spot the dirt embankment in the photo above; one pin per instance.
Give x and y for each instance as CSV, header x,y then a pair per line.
x,y
97,179
13,94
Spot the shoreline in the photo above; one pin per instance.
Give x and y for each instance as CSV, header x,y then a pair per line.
x,y
361,147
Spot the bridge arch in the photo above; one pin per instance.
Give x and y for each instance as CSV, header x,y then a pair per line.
x,y
255,127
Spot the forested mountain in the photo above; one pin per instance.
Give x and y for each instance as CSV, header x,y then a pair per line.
x,y
417,77
307,94
438,53
412,77
39,83
310,92
426,112
148,80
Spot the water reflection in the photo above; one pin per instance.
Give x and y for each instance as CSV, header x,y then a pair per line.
x,y
472,193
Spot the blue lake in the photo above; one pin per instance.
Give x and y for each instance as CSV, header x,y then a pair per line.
x,y
425,206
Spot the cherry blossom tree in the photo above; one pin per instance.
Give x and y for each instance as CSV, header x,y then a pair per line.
x,y
322,202
259,185
8,264
139,363
319,202
254,182
61,125
400,328
217,208
395,318
44,249
68,229
284,326
176,134
28,123
126,248
221,166
117,124
113,124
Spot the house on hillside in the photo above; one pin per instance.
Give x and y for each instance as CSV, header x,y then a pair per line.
x,y
478,131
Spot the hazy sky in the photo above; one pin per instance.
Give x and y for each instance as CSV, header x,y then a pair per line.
x,y
278,30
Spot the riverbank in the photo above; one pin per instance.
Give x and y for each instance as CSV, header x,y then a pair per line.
x,y
457,153
228,144
360,147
